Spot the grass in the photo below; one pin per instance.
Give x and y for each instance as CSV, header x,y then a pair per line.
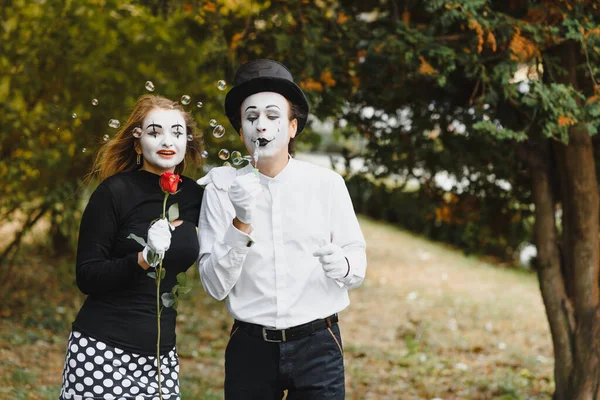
x,y
428,323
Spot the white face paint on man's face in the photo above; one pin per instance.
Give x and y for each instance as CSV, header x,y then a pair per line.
x,y
265,118
163,141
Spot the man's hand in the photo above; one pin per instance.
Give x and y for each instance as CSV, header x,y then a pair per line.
x,y
243,193
158,241
335,265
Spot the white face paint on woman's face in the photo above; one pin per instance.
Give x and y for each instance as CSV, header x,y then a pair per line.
x,y
265,118
163,141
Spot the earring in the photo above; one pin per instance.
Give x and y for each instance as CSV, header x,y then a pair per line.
x,y
139,159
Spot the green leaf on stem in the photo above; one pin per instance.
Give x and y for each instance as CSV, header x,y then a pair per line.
x,y
173,212
152,258
182,278
175,304
184,289
174,289
163,272
167,299
137,239
152,274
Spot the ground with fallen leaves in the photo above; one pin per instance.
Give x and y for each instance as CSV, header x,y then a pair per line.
x,y
428,323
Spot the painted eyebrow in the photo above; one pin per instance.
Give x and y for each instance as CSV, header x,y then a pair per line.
x,y
249,107
154,126
273,105
177,126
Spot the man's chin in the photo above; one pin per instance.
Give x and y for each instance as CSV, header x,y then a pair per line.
x,y
268,153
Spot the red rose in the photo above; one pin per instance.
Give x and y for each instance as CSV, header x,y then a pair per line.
x,y
169,182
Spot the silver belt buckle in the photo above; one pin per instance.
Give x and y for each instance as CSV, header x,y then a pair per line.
x,y
264,332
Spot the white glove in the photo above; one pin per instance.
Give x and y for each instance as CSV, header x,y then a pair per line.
x,y
159,240
243,193
221,177
335,265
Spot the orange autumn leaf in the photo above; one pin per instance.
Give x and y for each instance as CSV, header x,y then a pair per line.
x,y
425,68
406,17
474,25
593,31
566,121
210,6
444,214
342,18
592,99
355,81
187,7
491,40
311,85
327,79
522,49
234,40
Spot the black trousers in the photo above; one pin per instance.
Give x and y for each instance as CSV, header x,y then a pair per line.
x,y
310,368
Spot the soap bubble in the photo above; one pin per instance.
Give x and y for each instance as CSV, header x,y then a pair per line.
x,y
223,154
185,99
213,122
74,115
199,104
236,154
221,84
137,132
204,154
150,86
114,123
105,138
190,138
227,164
237,160
95,102
83,150
219,131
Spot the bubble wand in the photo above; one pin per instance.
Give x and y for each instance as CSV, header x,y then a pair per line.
x,y
255,156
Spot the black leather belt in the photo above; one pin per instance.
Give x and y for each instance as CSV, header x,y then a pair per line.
x,y
285,335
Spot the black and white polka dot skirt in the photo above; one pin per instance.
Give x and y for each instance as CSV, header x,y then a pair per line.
x,y
95,370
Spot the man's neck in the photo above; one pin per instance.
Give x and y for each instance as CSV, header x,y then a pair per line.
x,y
271,167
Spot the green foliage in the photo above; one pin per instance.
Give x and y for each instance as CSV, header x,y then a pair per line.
x,y
439,77
56,57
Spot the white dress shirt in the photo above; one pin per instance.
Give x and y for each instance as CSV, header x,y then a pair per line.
x,y
277,282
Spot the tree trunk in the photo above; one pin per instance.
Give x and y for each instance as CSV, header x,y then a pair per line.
x,y
569,279
580,232
552,284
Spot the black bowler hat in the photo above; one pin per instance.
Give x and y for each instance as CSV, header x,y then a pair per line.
x,y
263,76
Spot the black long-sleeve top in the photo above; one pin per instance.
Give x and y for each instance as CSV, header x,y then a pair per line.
x,y
121,305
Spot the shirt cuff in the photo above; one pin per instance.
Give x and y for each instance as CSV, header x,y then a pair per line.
x,y
346,279
238,239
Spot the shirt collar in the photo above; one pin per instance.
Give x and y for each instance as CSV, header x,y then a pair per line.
x,y
280,177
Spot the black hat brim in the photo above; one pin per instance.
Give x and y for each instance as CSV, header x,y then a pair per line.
x,y
236,96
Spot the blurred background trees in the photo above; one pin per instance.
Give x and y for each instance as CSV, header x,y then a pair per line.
x,y
471,121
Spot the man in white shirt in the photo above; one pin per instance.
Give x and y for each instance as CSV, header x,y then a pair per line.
x,y
280,241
